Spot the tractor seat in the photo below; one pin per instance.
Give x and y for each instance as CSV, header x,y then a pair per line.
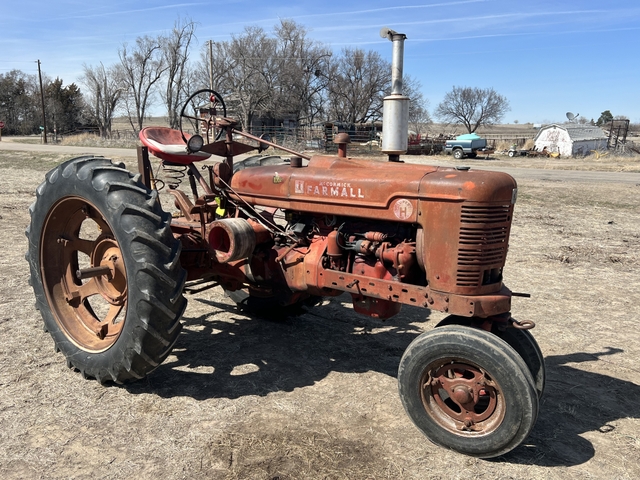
x,y
167,144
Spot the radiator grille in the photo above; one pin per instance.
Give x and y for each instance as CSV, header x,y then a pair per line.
x,y
482,244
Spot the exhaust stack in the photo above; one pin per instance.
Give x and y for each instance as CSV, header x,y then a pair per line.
x,y
395,114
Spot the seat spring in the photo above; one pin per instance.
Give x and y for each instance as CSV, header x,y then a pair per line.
x,y
173,174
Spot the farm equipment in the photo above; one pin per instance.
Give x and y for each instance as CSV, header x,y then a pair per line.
x,y
109,264
515,152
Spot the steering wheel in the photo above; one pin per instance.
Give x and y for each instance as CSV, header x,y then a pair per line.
x,y
199,113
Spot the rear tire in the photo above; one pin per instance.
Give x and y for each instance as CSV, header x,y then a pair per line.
x,y
122,320
467,390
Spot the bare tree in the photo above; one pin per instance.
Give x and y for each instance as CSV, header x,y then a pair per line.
x,y
175,52
243,71
472,107
275,77
418,105
140,70
289,75
103,95
302,66
358,81
210,71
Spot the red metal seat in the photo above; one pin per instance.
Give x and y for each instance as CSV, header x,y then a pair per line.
x,y
168,144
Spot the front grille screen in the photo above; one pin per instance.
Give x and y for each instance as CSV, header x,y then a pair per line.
x,y
482,244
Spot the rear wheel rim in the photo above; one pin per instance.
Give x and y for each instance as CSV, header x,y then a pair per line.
x,y
76,238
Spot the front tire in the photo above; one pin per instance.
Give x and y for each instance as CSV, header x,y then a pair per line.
x,y
105,270
522,341
468,390
458,154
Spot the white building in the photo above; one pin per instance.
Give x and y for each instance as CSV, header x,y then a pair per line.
x,y
571,139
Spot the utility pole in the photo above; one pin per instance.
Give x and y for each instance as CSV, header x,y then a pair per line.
x,y
211,64
44,116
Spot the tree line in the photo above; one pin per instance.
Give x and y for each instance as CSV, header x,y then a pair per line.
x,y
21,108
264,75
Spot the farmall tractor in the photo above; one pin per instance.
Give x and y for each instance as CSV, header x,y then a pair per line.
x,y
109,264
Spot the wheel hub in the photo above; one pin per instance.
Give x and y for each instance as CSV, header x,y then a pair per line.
x,y
112,287
462,397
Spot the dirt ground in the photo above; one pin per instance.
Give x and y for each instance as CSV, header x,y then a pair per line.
x,y
316,396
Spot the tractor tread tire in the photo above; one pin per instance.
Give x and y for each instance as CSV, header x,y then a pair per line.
x,y
155,278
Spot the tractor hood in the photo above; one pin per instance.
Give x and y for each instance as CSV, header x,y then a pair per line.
x,y
367,188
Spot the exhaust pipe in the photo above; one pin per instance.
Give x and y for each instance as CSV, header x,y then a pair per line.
x,y
395,114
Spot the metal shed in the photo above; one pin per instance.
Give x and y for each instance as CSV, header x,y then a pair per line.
x,y
570,140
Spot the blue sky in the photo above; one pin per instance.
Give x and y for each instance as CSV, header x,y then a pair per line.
x,y
546,56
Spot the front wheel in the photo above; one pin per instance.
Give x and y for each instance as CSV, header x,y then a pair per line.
x,y
468,390
458,154
522,341
105,270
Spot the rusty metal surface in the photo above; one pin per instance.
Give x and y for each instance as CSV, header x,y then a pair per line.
x,y
481,306
341,186
462,397
86,301
450,258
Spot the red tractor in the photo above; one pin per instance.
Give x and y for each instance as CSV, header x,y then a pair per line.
x,y
109,265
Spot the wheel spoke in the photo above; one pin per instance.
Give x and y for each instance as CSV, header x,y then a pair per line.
x,y
215,108
82,245
89,289
102,224
193,118
79,293
108,326
463,393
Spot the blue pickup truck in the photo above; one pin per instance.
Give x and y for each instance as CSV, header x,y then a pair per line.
x,y
468,145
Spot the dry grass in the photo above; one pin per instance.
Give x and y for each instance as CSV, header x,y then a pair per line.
x,y
316,397
93,140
